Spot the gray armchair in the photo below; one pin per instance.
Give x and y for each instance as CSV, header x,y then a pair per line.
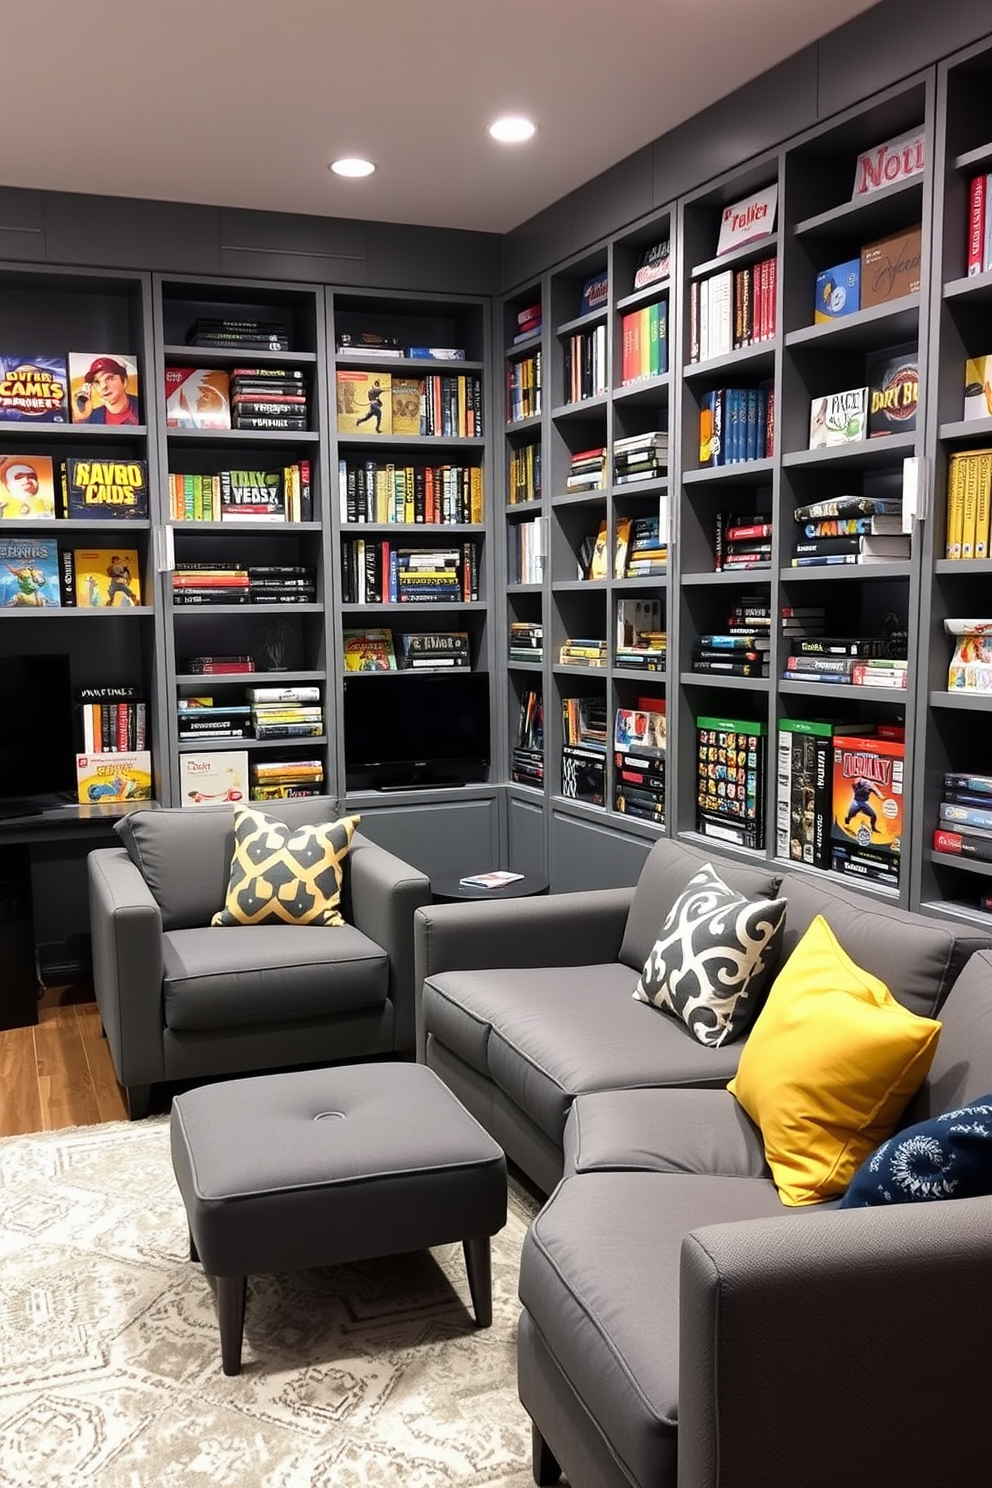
x,y
181,999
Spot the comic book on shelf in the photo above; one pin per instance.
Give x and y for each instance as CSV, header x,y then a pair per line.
x,y
29,574
103,388
114,490
27,488
33,389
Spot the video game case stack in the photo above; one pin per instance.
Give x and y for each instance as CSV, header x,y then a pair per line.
x,y
846,661
731,770
235,333
204,718
282,584
432,650
528,750
586,651
742,540
268,398
110,720
224,583
964,829
640,457
868,802
731,655
639,742
526,640
647,555
849,529
281,780
291,712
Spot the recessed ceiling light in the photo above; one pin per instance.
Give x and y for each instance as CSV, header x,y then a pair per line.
x,y
512,130
351,165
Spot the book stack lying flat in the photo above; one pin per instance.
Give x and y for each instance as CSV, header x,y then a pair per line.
x,y
282,583
368,344
215,665
234,334
205,718
210,584
587,470
432,651
646,553
730,655
286,712
639,741
268,398
277,780
580,651
640,457
526,640
742,540
860,661
965,826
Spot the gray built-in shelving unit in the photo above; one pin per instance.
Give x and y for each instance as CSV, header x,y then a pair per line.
x,y
86,272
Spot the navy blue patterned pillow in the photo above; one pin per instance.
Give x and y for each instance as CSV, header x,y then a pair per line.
x,y
947,1157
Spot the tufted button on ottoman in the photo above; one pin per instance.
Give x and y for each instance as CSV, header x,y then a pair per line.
x,y
288,1171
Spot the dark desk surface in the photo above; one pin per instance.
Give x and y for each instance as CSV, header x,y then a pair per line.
x,y
446,889
66,822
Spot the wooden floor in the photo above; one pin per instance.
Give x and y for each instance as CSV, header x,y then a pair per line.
x,y
58,1072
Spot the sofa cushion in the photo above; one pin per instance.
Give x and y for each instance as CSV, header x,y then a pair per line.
x,y
947,1157
663,1131
282,874
232,978
184,853
828,1068
547,1034
663,877
711,962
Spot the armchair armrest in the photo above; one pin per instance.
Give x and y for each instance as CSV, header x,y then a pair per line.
x,y
385,893
126,931
860,1333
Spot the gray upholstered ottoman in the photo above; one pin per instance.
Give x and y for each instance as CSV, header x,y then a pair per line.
x,y
288,1171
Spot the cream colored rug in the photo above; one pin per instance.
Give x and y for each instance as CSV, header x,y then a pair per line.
x,y
110,1372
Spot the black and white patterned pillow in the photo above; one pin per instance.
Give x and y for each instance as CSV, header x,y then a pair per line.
x,y
712,960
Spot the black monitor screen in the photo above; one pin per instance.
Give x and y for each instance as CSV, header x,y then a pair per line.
x,y
37,747
416,730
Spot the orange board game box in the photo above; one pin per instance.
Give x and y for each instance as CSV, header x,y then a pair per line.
x,y
868,793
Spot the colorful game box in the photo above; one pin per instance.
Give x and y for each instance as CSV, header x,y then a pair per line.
x,y
103,388
107,578
893,390
29,574
27,488
197,398
33,390
213,779
838,291
868,793
121,776
838,418
114,489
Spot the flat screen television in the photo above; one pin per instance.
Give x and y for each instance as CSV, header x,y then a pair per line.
x,y
37,744
404,732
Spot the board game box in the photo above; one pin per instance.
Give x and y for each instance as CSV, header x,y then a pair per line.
x,y
119,776
27,488
107,578
29,574
197,398
868,793
103,388
34,390
211,779
364,401
106,489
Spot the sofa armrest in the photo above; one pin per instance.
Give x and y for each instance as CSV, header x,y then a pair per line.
x,y
850,1341
126,932
385,893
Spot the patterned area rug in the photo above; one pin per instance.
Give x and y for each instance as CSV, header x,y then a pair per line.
x,y
110,1377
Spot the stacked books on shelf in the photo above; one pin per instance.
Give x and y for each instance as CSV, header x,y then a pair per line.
x,y
527,767
583,652
524,474
292,712
268,398
526,640
731,780
867,803
376,571
587,470
369,650
432,650
732,309
202,717
965,818
644,343
971,664
639,741
278,780
742,540
585,357
236,334
646,554
369,344
583,754
232,583
855,661
273,494
215,666
641,641
735,425
849,529
409,495
523,388
731,655
639,457
529,323
969,483
525,559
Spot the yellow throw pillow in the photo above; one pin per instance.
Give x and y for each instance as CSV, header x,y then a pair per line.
x,y
828,1068
288,875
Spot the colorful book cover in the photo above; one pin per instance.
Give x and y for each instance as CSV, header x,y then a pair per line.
x,y
893,390
27,487
103,388
197,398
119,776
838,418
106,489
364,401
29,574
407,393
369,651
107,578
252,496
34,390
214,778
868,792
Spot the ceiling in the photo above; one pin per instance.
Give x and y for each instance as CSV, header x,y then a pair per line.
x,y
244,102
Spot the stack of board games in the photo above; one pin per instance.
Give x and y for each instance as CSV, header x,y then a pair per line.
x,y
640,457
202,717
867,825
639,742
33,389
290,712
268,398
237,334
223,583
282,584
731,780
964,828
731,655
278,780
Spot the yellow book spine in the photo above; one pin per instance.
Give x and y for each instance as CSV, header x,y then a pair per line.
x,y
969,506
983,505
955,507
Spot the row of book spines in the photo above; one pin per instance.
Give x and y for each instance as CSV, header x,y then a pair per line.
x,y
644,342
113,727
410,495
969,504
524,474
732,309
198,498
523,388
585,364
375,572
736,425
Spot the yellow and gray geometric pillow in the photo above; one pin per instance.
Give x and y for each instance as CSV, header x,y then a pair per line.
x,y
287,875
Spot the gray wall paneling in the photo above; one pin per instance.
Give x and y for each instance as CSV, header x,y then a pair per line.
x,y
437,836
526,834
587,853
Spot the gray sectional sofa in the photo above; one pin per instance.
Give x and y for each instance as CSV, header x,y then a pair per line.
x,y
681,1326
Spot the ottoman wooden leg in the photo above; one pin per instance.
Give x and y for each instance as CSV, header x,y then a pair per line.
x,y
543,1461
231,1292
478,1264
